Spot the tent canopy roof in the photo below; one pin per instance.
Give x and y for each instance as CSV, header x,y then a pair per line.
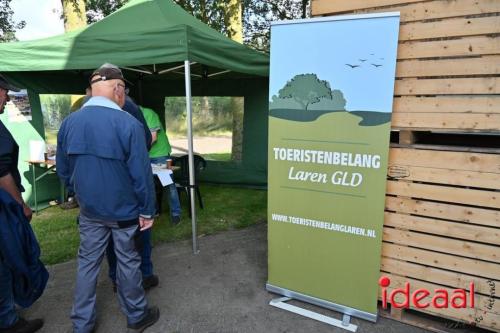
x,y
149,35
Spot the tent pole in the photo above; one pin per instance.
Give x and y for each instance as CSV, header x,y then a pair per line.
x,y
187,79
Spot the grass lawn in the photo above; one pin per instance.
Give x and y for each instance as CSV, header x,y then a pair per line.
x,y
226,157
225,208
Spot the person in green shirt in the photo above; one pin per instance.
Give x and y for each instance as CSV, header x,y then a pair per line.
x,y
158,154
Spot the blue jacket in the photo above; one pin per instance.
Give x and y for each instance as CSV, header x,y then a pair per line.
x,y
134,110
101,154
20,252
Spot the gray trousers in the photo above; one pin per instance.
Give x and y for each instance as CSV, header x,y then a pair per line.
x,y
94,236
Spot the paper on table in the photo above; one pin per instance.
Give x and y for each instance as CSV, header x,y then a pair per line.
x,y
162,173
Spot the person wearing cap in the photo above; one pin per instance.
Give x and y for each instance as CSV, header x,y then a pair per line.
x,y
129,107
102,155
10,181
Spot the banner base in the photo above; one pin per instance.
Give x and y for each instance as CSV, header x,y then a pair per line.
x,y
345,323
319,302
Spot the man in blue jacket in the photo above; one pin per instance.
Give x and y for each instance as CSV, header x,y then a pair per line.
x,y
102,155
10,181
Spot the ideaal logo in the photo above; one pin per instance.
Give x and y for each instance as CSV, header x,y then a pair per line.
x,y
441,298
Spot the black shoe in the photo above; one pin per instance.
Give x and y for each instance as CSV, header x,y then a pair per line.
x,y
24,326
70,204
152,316
150,282
176,220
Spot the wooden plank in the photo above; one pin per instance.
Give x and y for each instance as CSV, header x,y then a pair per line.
x,y
418,11
454,27
467,46
482,302
445,176
450,262
458,121
444,228
449,67
439,276
407,137
431,322
464,149
319,7
441,9
443,244
486,217
471,315
489,322
445,193
452,160
445,104
464,86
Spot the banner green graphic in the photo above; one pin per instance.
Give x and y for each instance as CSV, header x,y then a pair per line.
x,y
331,92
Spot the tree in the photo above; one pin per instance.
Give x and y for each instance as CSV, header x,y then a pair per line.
x,y
98,9
306,89
8,26
73,14
258,15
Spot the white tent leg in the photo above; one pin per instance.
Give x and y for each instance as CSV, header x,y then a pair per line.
x,y
187,78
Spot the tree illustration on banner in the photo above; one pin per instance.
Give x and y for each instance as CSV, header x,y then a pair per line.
x,y
308,92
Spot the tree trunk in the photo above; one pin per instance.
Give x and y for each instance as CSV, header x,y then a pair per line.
x,y
74,14
304,8
236,33
74,18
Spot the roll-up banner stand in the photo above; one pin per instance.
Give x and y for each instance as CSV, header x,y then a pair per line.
x,y
330,105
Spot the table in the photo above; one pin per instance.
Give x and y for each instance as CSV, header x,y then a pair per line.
x,y
50,169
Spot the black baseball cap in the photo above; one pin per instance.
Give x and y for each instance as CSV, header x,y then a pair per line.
x,y
107,72
6,85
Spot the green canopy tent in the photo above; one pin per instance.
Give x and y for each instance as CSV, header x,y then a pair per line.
x,y
163,51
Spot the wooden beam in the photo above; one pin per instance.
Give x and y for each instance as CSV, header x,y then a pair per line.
x,y
481,302
443,228
444,175
432,10
485,65
458,121
450,262
445,159
466,46
446,104
466,86
472,215
445,193
453,27
436,275
319,7
457,247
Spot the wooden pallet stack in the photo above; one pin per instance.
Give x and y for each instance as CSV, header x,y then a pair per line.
x,y
442,222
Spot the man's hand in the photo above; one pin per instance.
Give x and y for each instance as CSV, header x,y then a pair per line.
x,y
27,212
145,223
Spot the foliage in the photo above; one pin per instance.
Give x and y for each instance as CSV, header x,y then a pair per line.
x,y
7,26
258,15
54,109
210,115
225,208
98,9
215,13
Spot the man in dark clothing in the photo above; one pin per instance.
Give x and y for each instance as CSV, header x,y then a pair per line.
x,y
102,155
10,181
149,280
133,110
